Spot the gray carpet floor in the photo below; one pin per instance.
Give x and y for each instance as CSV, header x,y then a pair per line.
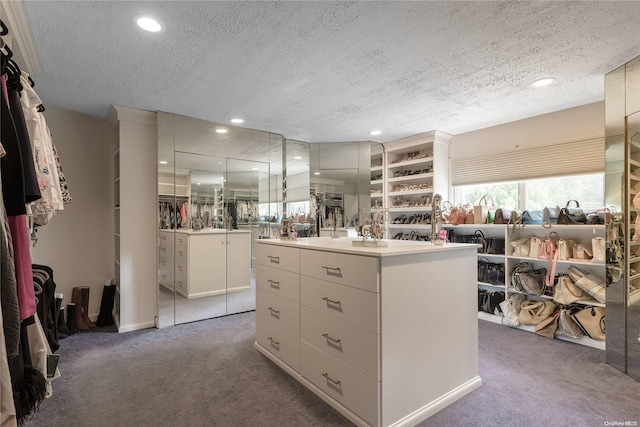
x,y
209,374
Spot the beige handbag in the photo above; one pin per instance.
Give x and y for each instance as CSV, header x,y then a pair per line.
x,y
534,247
591,321
481,210
589,282
567,292
547,328
533,312
565,249
521,247
599,246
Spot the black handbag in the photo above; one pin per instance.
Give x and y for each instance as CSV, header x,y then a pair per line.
x,y
572,215
491,301
496,273
483,268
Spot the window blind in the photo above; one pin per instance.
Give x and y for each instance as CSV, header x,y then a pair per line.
x,y
570,158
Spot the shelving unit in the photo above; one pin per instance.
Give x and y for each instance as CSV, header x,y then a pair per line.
x,y
377,180
116,227
415,168
580,233
632,188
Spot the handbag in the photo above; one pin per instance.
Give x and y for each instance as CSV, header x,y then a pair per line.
x,y
567,327
570,215
589,282
491,302
470,217
566,291
549,246
533,312
479,239
495,273
534,247
510,308
532,217
524,278
462,215
550,216
580,252
599,248
565,249
502,216
483,266
494,245
547,327
521,246
482,208
591,321
481,294
450,213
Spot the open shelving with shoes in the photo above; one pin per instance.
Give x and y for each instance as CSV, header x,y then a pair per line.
x,y
582,234
416,168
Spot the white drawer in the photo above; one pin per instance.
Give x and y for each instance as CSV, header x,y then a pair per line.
x,y
165,252
182,239
349,304
279,342
352,270
181,272
181,284
357,392
182,256
280,257
166,240
279,282
278,310
349,344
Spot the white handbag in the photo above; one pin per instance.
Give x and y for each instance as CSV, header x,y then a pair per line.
x,y
599,246
565,249
521,247
534,247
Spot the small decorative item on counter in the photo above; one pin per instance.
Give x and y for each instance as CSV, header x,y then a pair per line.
x,y
372,228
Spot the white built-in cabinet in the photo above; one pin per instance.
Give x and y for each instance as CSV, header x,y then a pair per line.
x,y
207,263
135,217
581,233
404,180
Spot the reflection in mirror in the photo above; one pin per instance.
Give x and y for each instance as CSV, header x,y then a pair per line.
x,y
297,202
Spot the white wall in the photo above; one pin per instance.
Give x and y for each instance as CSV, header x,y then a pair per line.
x,y
573,124
78,243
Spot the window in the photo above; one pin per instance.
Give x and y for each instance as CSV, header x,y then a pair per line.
x,y
532,194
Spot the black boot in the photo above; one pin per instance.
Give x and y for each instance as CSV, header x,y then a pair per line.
x,y
63,329
71,317
105,318
56,318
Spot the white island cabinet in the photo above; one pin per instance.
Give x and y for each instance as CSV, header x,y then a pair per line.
x,y
387,336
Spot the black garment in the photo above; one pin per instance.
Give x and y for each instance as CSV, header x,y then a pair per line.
x,y
11,165
31,187
43,276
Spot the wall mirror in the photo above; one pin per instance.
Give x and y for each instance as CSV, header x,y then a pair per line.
x,y
219,189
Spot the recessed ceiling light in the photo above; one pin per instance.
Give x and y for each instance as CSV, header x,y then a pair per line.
x,y
375,132
163,162
149,24
221,130
197,183
254,169
316,173
297,157
543,82
237,121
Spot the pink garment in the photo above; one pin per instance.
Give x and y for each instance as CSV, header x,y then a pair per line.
x,y
22,261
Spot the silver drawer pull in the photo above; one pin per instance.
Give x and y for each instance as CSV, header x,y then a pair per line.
x,y
331,338
336,269
326,375
274,342
274,259
330,301
273,311
274,284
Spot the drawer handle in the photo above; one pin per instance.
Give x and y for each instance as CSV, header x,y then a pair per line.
x,y
274,259
274,311
330,338
329,301
180,252
274,342
326,375
333,271
274,284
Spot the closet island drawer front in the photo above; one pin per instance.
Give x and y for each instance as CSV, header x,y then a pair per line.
x,y
182,239
279,342
279,282
357,392
279,311
166,240
349,304
279,257
352,270
347,343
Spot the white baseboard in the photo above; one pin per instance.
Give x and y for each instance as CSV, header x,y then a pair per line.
x,y
136,326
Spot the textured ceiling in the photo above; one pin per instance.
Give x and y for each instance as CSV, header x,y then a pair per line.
x,y
332,71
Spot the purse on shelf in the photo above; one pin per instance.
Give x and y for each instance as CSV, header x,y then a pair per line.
x,y
496,273
580,252
510,308
470,216
502,216
565,249
482,208
588,282
572,215
566,291
567,327
550,216
534,246
521,246
599,248
547,327
591,321
533,312
532,217
483,267
491,302
526,279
